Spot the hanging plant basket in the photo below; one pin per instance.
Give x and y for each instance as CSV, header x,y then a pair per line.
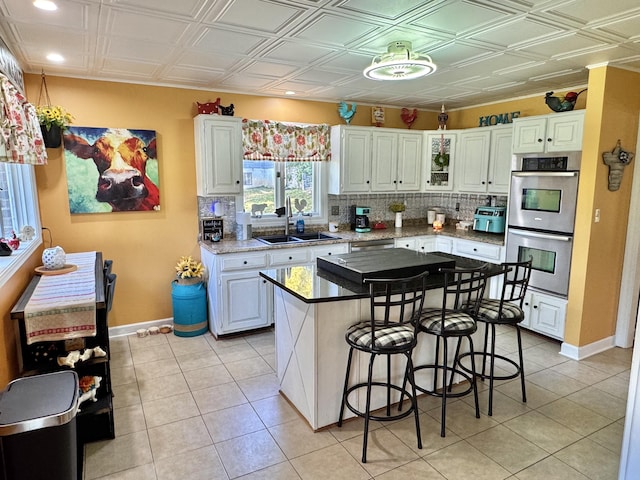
x,y
51,135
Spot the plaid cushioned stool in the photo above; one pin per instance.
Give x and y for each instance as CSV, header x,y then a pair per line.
x,y
462,291
505,311
390,330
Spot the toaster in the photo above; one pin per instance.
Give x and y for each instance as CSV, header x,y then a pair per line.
x,y
489,219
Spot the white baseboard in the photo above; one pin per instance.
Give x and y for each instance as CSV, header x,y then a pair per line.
x,y
123,330
580,353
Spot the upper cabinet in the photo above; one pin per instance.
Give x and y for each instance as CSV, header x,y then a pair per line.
x,y
558,132
218,145
374,160
396,162
483,160
350,166
439,148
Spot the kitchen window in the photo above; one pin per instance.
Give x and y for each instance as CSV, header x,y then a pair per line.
x,y
18,207
284,160
272,182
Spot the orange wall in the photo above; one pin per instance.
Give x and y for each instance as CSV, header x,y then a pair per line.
x,y
612,114
146,245
11,292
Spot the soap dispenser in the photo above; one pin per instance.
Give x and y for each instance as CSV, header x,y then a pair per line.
x,y
300,223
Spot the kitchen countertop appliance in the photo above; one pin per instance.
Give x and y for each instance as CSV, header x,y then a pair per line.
x,y
360,219
489,219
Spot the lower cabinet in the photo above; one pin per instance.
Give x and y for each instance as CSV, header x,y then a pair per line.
x,y
238,298
545,314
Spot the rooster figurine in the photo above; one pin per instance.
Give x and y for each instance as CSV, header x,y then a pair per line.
x,y
408,117
343,110
564,104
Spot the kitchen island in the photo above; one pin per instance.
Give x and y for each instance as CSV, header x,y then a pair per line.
x,y
313,309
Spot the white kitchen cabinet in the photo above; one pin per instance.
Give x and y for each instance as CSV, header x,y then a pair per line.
x,y
500,160
409,243
473,160
374,160
396,163
350,166
218,149
439,154
239,299
558,132
485,252
545,314
483,160
444,244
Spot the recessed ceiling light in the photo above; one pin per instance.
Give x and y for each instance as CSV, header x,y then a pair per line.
x,y
55,57
289,92
45,5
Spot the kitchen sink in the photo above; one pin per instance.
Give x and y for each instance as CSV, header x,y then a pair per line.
x,y
297,238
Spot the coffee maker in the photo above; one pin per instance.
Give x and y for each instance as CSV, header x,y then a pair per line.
x,y
359,219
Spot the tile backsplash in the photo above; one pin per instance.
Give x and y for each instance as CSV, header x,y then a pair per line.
x,y
456,206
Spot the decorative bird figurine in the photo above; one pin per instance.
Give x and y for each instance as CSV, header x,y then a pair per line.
x,y
564,104
343,110
408,117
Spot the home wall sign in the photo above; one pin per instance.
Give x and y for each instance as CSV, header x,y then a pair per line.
x,y
498,119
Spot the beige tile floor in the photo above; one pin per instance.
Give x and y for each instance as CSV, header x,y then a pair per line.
x,y
196,408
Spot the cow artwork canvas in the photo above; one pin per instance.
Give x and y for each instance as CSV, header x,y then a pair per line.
x,y
111,169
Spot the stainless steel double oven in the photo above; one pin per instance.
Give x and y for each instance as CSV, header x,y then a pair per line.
x,y
542,208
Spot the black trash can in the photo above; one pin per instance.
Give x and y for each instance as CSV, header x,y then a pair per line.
x,y
38,428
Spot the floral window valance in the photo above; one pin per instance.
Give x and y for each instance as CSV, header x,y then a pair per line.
x,y
283,142
20,134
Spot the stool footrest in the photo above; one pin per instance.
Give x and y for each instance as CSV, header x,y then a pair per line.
x,y
447,371
380,418
487,356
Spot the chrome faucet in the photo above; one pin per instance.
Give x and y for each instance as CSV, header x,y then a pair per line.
x,y
287,214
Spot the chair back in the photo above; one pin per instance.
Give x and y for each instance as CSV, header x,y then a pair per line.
x,y
463,290
515,279
396,300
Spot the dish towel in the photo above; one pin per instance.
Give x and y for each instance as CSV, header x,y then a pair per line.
x,y
64,306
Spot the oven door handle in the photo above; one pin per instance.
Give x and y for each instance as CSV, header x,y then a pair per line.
x,y
544,174
546,236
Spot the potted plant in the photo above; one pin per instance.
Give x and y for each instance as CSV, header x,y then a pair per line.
x,y
189,271
189,299
53,120
397,208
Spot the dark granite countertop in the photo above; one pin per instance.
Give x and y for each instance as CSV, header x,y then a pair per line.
x,y
313,285
232,245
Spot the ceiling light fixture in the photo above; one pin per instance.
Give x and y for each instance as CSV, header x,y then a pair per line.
x,y
55,57
399,63
45,5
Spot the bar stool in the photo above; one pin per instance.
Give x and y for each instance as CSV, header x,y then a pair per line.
x,y
462,291
389,330
505,311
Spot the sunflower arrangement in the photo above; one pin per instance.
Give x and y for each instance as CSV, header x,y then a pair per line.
x,y
187,267
49,115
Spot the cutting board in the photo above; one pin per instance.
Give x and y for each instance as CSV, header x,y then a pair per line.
x,y
385,263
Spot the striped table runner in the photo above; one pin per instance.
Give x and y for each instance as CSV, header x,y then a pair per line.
x,y
64,306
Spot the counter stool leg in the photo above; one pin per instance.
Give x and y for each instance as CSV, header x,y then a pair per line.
x,y
346,386
524,392
474,384
492,363
443,412
367,411
412,380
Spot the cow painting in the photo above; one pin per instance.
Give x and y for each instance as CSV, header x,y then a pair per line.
x,y
111,170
